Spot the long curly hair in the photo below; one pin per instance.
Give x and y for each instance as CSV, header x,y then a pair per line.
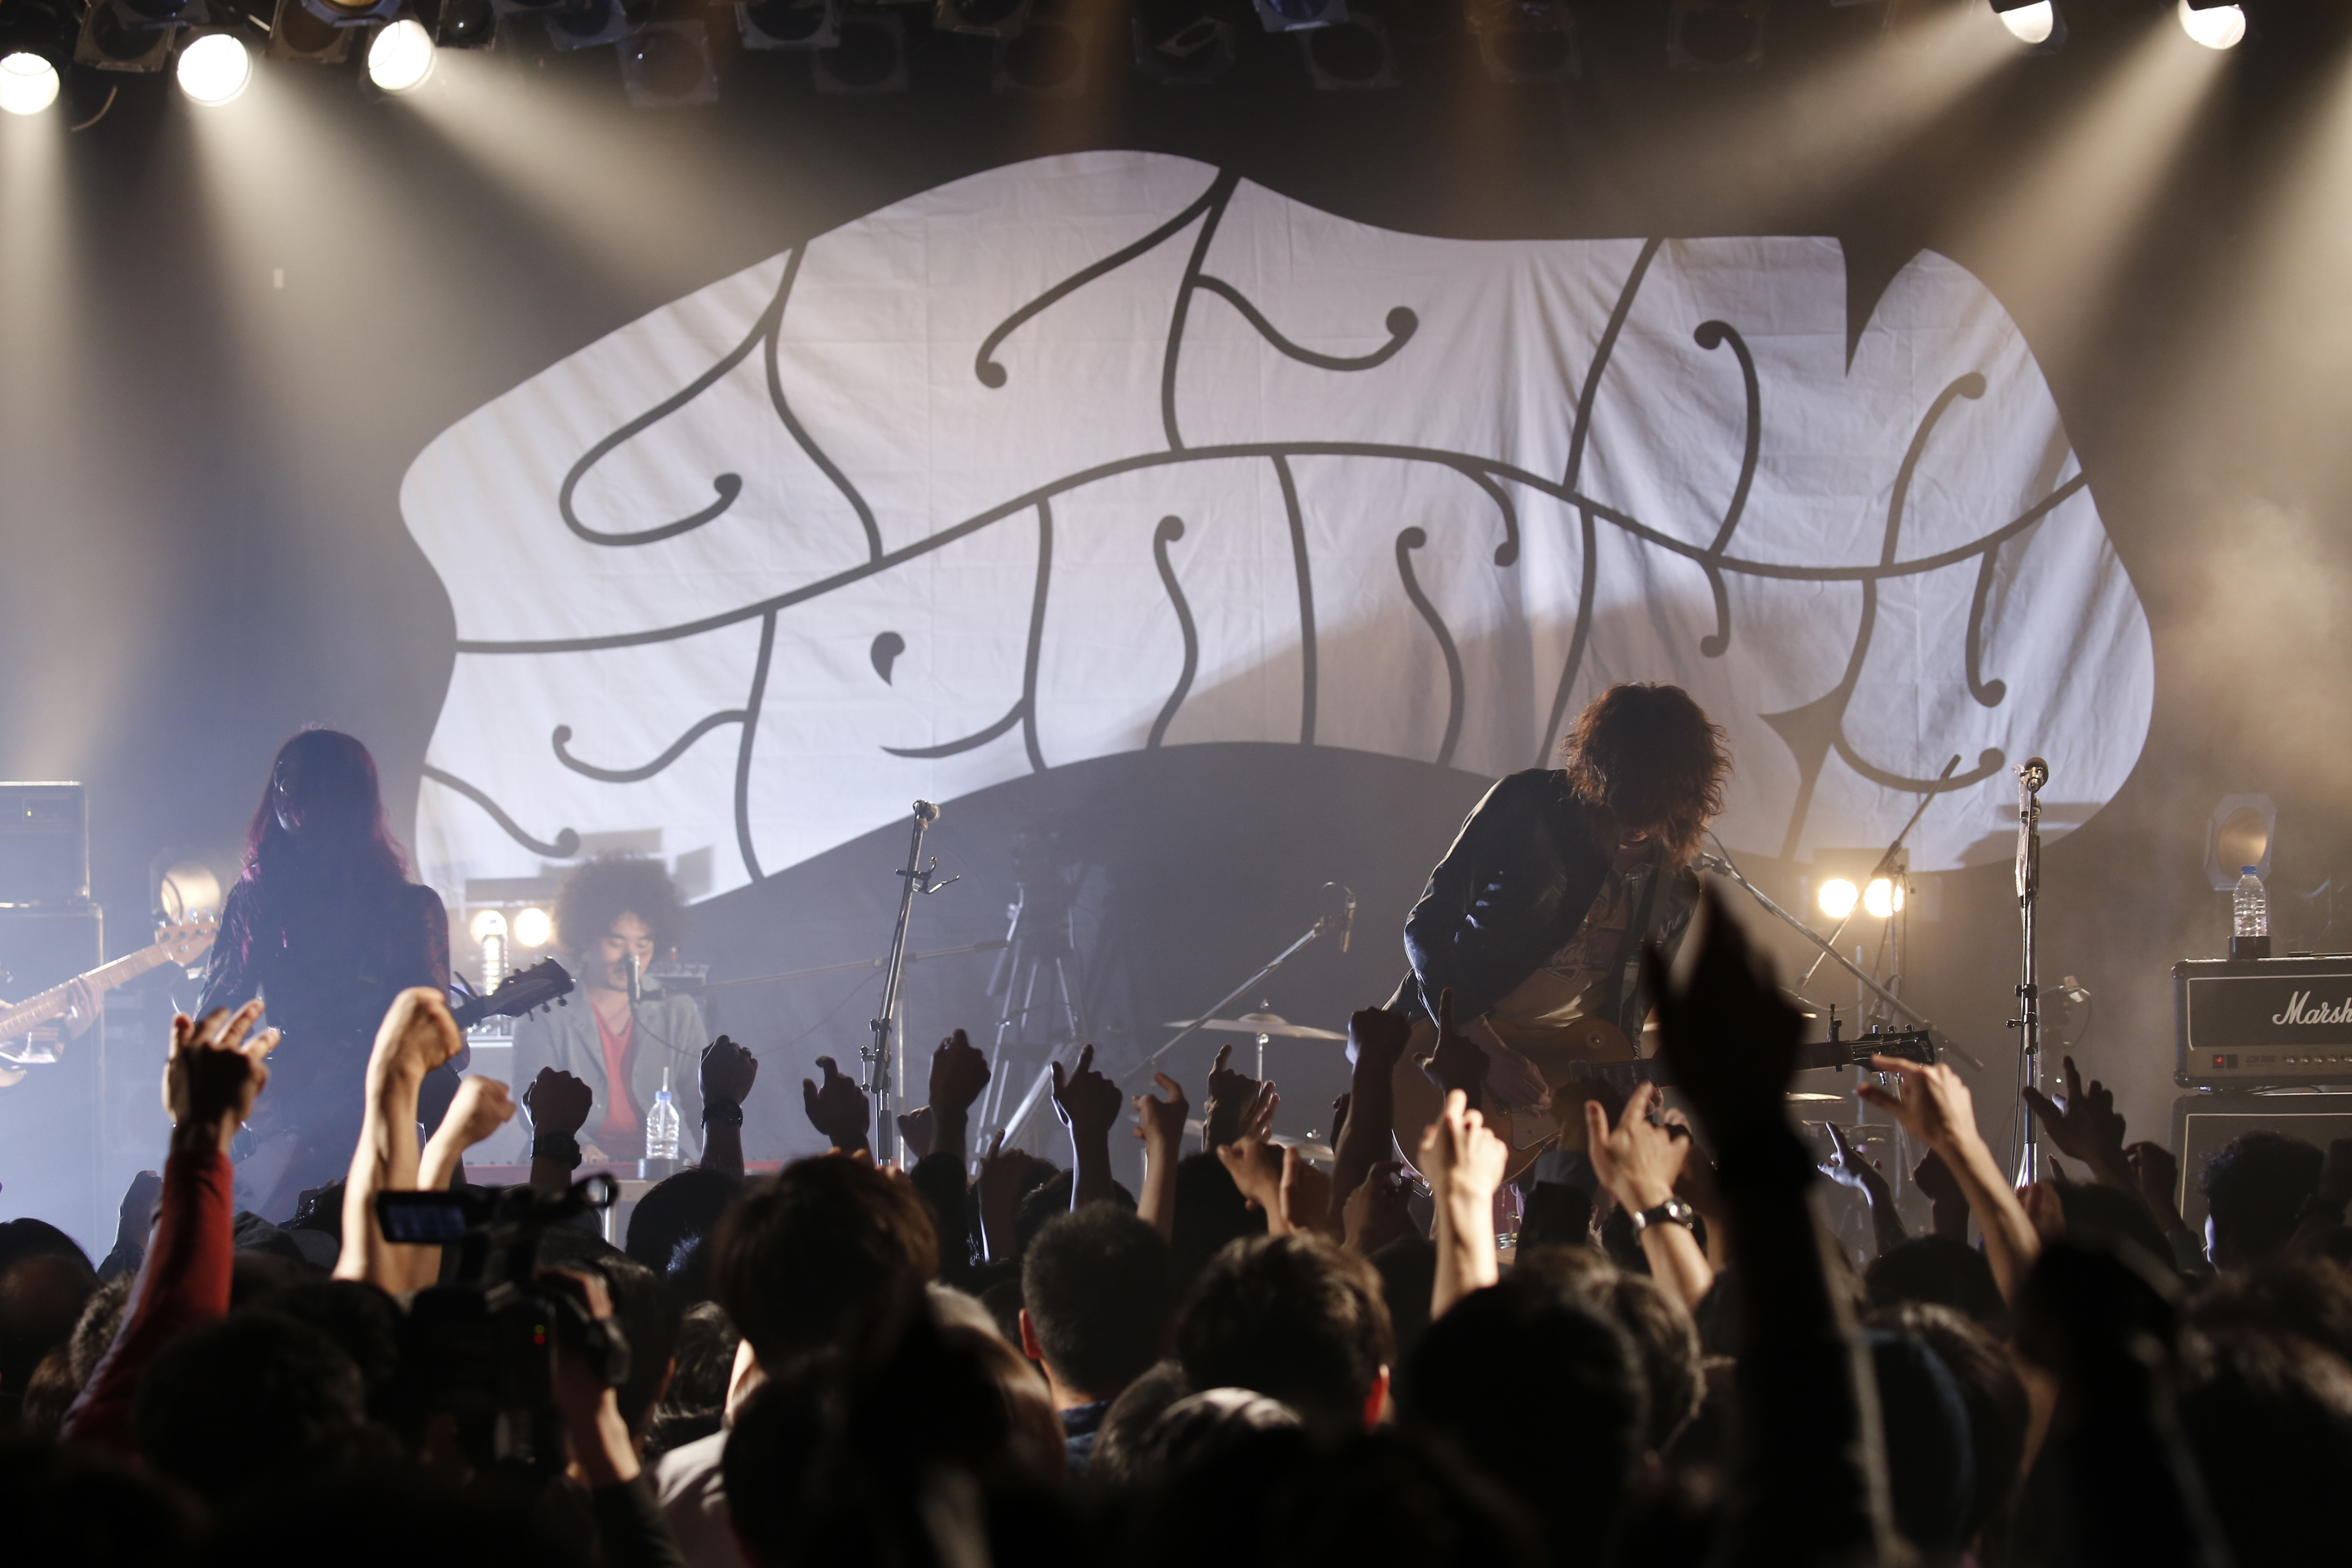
x,y
610,886
344,860
1649,759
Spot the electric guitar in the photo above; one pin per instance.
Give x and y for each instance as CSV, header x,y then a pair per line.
x,y
182,945
1590,1059
525,990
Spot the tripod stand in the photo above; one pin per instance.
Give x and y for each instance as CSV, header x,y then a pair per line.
x,y
1039,1018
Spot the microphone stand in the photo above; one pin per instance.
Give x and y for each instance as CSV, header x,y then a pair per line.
x,y
2024,1137
1721,864
883,1068
1342,922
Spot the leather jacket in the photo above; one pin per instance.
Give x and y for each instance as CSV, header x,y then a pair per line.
x,y
1517,882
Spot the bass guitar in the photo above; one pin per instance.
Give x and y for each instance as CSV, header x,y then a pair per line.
x,y
181,944
1590,1059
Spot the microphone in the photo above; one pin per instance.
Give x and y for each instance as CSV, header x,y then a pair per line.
x,y
636,989
1348,915
926,814
2034,773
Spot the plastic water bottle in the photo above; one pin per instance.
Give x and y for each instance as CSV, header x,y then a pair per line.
x,y
661,1121
2250,934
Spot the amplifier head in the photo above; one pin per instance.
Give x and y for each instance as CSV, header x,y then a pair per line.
x,y
2262,1022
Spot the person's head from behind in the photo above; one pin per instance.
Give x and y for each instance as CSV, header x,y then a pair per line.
x,y
2100,1216
2254,1186
1544,1392
2268,1416
234,1408
1211,1215
678,1209
1991,1389
1296,1319
1095,1297
1648,758
1936,1270
322,796
615,908
1664,1338
1924,1422
648,1318
813,1258
41,1297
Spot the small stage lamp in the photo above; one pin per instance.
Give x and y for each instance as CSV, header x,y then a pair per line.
x,y
215,67
400,59
28,84
1837,898
2216,26
2028,21
533,928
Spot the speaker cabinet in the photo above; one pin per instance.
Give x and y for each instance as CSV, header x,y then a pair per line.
x,y
50,1122
2202,1123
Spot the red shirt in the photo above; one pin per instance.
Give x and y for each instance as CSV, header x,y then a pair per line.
x,y
621,1123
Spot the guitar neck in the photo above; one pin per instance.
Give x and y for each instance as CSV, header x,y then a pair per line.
x,y
39,1008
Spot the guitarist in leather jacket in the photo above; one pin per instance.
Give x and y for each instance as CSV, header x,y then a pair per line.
x,y
1536,917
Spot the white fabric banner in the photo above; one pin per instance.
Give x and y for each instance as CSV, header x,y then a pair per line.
x,y
1114,451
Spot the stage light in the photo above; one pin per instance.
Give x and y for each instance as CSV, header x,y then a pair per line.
x,y
467,25
487,924
590,24
1178,44
298,34
1883,897
1045,59
990,18
788,24
353,13
1837,898
2215,27
28,84
869,56
666,65
401,58
1297,15
2031,24
1527,40
1715,35
215,69
2239,833
533,928
1348,55
121,37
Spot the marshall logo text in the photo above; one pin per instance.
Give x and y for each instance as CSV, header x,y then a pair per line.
x,y
2299,1009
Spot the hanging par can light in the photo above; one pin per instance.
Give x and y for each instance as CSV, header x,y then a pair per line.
x,y
215,69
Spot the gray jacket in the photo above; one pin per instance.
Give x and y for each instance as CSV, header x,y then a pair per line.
x,y
669,1033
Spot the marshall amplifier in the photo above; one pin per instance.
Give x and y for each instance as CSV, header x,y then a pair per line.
x,y
2243,1023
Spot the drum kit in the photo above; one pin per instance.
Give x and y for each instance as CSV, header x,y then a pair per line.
x,y
1263,1027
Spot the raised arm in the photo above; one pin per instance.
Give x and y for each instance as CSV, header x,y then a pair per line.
x,y
558,1105
1379,1039
1159,1123
416,1036
1850,1168
725,1077
837,1107
1640,1162
1936,1108
1463,1162
1088,1105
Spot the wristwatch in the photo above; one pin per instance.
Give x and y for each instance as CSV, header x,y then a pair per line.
x,y
723,1113
1674,1211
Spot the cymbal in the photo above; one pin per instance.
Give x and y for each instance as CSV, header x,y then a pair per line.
x,y
1261,1023
1798,1096
1307,1148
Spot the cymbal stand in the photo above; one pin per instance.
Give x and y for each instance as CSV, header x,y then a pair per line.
x,y
1337,921
885,1070
1034,976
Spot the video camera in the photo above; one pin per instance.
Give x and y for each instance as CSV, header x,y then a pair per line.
x,y
483,1346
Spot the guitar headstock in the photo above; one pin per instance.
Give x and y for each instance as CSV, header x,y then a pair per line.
x,y
1902,1044
542,983
185,941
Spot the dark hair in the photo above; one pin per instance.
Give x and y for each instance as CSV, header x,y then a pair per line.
x,y
610,886
1293,1317
1939,1270
1211,1214
1118,1462
1543,1393
2269,1418
1664,1338
1991,1389
1097,1288
41,1298
1924,1422
2254,1186
2295,1294
1648,757
339,783
94,1330
677,1209
809,1258
234,1408
696,1399
2100,1216
82,1506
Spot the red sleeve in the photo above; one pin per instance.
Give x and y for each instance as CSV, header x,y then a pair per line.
x,y
184,1283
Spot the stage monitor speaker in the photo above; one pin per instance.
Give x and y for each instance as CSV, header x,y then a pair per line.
x,y
43,845
2202,1124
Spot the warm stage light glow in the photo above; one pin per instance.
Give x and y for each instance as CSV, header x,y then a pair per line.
x,y
2216,27
28,84
215,69
402,56
533,928
487,924
1837,898
1883,897
2033,24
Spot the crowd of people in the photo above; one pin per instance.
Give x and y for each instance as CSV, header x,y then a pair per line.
x,y
977,1357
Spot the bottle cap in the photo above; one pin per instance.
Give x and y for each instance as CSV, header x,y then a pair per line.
x,y
2246,870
